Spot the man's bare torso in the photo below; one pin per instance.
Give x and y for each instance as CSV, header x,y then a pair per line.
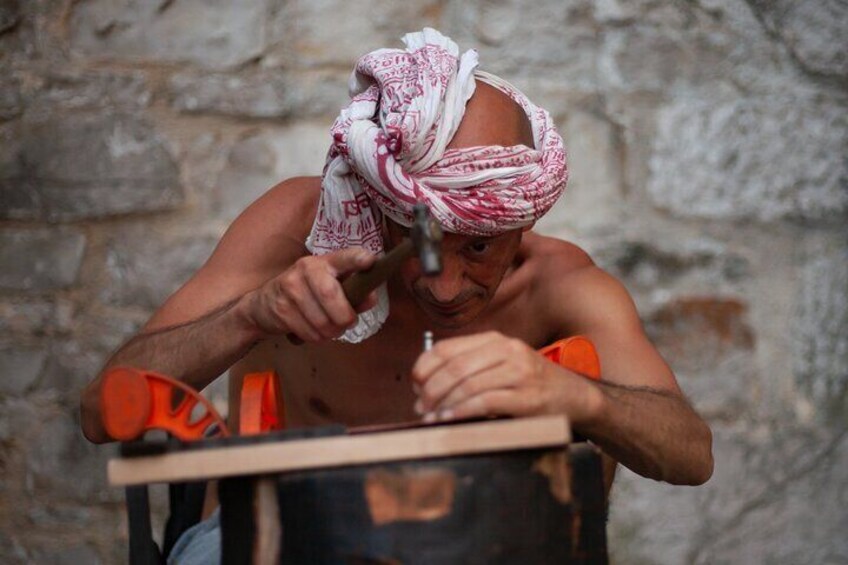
x,y
368,383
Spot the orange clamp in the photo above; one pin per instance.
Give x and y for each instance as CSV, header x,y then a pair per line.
x,y
260,399
576,354
133,401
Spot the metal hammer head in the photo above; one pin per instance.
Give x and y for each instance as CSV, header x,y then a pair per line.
x,y
427,239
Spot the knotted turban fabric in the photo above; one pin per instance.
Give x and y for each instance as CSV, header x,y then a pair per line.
x,y
389,149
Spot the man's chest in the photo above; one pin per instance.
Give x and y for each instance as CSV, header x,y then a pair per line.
x,y
369,383
351,384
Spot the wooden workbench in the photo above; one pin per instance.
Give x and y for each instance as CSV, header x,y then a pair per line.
x,y
496,491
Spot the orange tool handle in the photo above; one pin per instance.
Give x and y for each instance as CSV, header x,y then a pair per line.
x,y
575,354
261,405
133,401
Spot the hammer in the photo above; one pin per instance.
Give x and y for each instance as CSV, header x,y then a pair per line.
x,y
426,239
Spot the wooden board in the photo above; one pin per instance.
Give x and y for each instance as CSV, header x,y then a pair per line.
x,y
338,451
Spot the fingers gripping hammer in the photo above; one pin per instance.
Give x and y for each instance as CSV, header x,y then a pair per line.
x,y
425,241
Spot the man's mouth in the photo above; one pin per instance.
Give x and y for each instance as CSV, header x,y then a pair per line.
x,y
449,309
459,305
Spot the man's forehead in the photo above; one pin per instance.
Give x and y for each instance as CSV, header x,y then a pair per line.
x,y
492,118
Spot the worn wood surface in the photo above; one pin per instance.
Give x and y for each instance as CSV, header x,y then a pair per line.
x,y
234,456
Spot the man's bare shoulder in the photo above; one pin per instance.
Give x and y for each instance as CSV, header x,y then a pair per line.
x,y
266,238
275,226
575,292
558,255
287,209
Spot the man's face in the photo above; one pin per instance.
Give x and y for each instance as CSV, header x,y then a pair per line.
x,y
472,269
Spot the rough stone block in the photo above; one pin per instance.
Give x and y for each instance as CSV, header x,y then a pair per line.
x,y
813,31
63,463
267,94
663,46
11,549
788,491
143,271
801,519
500,32
9,15
39,317
776,497
645,58
765,158
694,331
212,33
820,329
594,194
10,150
65,555
11,104
628,12
72,363
26,317
708,342
45,456
308,41
90,166
20,368
648,264
70,90
257,163
40,259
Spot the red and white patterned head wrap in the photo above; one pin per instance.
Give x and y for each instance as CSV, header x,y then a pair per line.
x,y
389,149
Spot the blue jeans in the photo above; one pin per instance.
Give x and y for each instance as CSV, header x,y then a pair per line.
x,y
200,544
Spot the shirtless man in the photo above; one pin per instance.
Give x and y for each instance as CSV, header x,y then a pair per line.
x,y
499,298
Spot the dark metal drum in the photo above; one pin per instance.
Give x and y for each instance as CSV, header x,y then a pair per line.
x,y
516,507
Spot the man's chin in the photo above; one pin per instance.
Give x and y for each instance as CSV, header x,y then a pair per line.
x,y
449,323
450,320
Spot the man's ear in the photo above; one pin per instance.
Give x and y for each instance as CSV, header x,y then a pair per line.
x,y
526,229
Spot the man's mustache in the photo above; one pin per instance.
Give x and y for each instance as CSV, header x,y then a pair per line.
x,y
424,293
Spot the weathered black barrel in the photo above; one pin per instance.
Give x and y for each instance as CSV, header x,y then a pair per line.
x,y
518,507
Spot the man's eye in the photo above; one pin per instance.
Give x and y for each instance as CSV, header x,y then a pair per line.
x,y
480,247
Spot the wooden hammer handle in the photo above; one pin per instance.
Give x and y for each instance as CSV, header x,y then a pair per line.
x,y
358,285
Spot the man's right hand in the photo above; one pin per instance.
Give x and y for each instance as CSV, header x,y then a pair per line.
x,y
307,299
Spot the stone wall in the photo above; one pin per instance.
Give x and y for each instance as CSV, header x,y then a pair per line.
x,y
707,143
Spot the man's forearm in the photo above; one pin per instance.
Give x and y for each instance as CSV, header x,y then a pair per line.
x,y
653,432
195,353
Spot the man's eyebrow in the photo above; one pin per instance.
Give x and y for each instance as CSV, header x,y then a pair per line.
x,y
488,238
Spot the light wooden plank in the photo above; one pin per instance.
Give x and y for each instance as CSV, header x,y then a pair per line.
x,y
337,451
268,529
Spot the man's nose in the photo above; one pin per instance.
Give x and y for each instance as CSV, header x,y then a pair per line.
x,y
447,286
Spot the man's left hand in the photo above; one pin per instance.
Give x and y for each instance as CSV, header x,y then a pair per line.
x,y
490,374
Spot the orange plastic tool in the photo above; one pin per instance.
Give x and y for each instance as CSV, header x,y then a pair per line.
x,y
260,401
575,354
133,401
